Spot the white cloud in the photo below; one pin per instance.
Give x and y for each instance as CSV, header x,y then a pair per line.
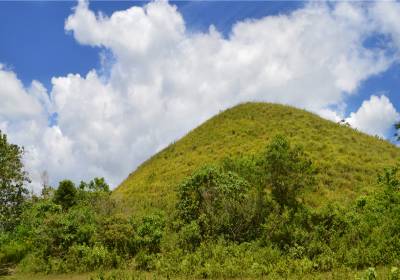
x,y
386,17
376,116
16,102
163,81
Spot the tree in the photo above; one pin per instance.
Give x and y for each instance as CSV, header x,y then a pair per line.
x,y
95,185
47,190
221,203
66,194
288,171
12,180
397,134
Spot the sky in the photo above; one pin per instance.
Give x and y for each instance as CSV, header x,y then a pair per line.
x,y
92,89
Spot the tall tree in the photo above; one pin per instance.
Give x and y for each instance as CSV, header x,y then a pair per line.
x,y
65,195
289,171
12,183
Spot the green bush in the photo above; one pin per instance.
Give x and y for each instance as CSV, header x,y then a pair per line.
x,y
370,274
150,233
190,236
13,251
33,262
84,258
144,261
221,203
118,233
394,273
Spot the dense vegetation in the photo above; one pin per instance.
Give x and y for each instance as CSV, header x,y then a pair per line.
x,y
77,229
243,215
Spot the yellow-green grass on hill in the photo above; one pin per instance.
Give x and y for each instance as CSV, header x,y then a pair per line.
x,y
348,160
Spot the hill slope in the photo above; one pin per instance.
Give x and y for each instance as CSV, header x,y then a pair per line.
x,y
348,160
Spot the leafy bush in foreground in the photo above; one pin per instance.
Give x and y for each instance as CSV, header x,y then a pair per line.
x,y
216,203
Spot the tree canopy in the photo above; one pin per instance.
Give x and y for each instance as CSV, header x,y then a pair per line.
x,y
12,180
66,194
288,169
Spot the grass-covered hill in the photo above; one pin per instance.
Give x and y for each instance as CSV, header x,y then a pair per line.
x,y
259,211
347,160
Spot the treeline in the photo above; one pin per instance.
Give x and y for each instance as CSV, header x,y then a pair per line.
x,y
241,218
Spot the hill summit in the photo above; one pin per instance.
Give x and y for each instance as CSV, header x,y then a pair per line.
x,y
347,160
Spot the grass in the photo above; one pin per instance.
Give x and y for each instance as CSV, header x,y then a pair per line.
x,y
348,160
338,274
100,275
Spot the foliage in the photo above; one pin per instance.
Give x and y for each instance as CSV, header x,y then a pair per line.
x,y
72,232
390,179
150,232
289,171
220,203
65,195
308,239
190,236
95,185
118,233
370,274
394,273
12,180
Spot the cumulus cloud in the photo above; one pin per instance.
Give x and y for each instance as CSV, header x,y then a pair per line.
x,y
16,102
162,80
376,116
386,17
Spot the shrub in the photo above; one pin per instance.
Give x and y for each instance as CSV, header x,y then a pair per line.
x,y
370,274
13,251
118,233
144,261
394,273
84,258
220,202
190,236
33,262
150,232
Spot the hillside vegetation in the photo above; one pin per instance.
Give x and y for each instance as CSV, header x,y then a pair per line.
x,y
348,161
258,191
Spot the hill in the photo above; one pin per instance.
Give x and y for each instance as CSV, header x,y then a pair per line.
x,y
225,225
347,160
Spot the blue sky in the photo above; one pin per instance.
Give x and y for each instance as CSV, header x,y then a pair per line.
x,y
82,114
35,45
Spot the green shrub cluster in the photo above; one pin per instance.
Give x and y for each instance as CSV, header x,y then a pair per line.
x,y
78,229
256,203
